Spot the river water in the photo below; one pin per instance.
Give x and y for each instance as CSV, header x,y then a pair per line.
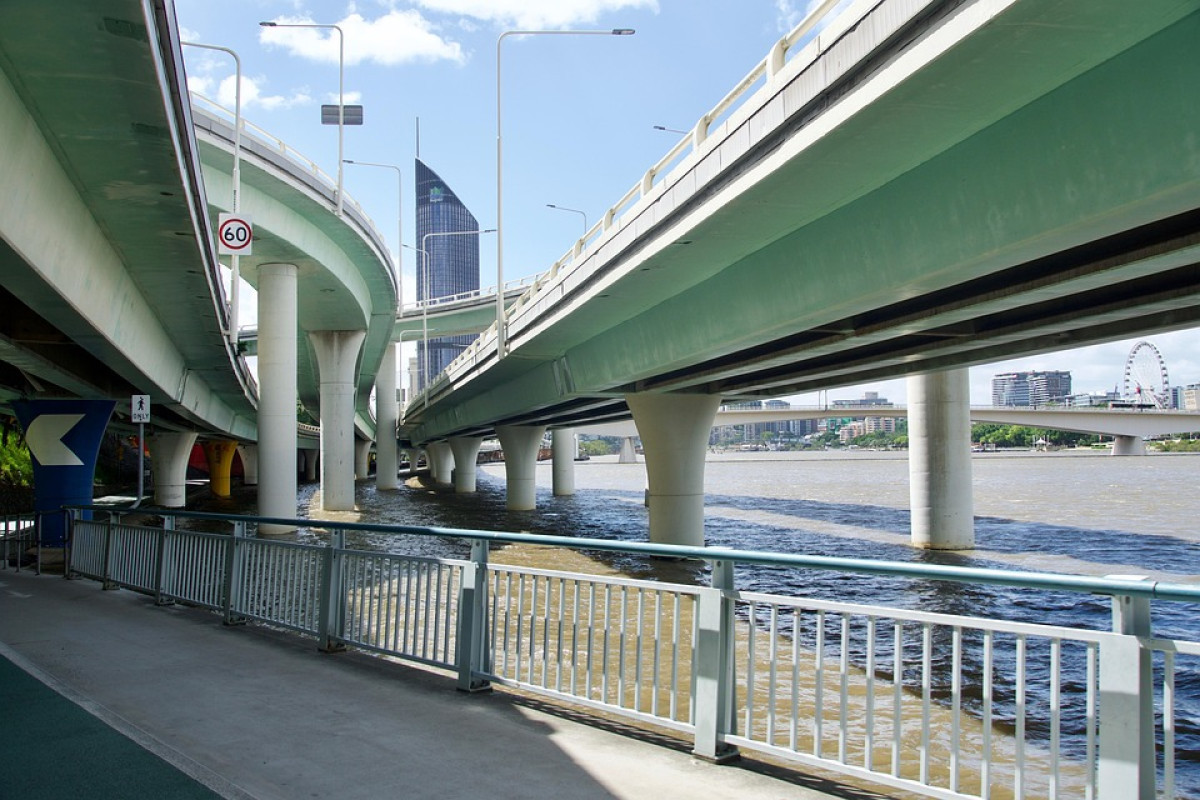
x,y
1078,512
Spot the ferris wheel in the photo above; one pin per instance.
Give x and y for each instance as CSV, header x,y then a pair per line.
x,y
1146,381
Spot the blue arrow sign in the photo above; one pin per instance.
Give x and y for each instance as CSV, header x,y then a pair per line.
x,y
64,439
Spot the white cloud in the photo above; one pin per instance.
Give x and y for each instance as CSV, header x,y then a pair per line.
x,y
252,95
200,84
397,37
349,98
537,14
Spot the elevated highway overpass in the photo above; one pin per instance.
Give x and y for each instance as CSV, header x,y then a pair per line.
x,y
921,187
108,266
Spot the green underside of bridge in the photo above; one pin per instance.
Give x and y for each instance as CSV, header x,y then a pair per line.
x,y
1016,195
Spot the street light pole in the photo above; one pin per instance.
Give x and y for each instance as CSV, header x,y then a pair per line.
x,y
573,211
399,226
341,88
500,169
235,272
425,300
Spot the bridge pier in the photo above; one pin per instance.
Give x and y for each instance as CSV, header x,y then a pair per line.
x,y
628,451
249,455
310,463
520,444
337,352
219,455
466,451
441,461
386,415
1128,446
562,453
939,460
674,429
277,394
362,458
170,452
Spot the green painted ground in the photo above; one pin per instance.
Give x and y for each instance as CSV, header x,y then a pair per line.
x,y
52,748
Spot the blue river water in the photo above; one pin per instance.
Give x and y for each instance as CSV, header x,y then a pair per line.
x,y
1079,513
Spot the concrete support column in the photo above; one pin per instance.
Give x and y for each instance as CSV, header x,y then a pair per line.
x,y
170,452
249,456
411,456
337,353
362,459
386,416
674,429
520,444
310,463
277,329
219,454
939,460
441,461
465,450
562,453
1128,446
628,451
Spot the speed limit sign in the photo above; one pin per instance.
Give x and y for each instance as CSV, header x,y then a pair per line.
x,y
235,235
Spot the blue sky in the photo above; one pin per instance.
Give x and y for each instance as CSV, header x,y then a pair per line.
x,y
578,115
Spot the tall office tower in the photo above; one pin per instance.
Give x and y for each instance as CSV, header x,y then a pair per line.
x,y
449,261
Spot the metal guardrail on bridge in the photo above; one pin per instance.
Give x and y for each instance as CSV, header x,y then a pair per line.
x,y
939,704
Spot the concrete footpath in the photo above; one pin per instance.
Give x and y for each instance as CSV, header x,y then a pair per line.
x,y
245,712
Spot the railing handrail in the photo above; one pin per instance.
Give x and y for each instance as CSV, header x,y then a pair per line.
x,y
1080,584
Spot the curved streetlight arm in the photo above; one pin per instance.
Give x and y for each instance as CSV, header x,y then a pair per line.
x,y
573,211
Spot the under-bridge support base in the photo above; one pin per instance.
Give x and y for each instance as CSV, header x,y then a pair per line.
x,y
337,352
362,459
466,450
1128,446
249,456
277,395
520,444
562,453
170,452
219,455
441,461
386,414
674,429
939,460
628,451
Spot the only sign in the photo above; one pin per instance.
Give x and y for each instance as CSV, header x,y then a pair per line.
x,y
235,235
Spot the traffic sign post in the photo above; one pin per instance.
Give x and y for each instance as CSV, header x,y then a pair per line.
x,y
139,412
235,235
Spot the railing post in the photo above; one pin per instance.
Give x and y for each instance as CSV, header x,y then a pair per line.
x,y
69,544
235,551
713,668
472,620
329,632
1127,754
106,581
162,564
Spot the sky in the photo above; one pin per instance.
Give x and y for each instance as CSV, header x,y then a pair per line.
x,y
578,113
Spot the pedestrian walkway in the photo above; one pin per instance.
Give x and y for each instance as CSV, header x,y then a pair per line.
x,y
183,707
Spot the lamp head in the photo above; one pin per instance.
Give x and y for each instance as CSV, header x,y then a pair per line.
x,y
268,24
623,32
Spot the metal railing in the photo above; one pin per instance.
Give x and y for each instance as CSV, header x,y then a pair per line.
x,y
19,534
943,705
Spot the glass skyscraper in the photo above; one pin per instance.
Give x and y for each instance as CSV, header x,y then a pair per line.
x,y
450,263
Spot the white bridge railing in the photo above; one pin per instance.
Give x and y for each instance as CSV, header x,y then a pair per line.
x,y
939,704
